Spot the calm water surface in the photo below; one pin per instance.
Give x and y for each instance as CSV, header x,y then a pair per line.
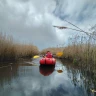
x,y
25,79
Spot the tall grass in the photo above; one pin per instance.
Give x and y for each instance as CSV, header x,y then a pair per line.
x,y
7,49
80,48
12,51
26,50
53,50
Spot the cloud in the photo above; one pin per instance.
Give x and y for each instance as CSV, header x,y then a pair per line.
x,y
31,21
28,21
76,11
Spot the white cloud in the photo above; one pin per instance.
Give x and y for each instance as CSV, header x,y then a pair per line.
x,y
32,20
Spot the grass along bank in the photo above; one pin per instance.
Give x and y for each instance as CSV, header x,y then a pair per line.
x,y
81,51
9,50
79,48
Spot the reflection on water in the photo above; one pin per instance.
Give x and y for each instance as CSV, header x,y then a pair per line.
x,y
46,70
27,80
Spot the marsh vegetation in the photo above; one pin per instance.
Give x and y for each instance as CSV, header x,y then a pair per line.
x,y
10,50
81,50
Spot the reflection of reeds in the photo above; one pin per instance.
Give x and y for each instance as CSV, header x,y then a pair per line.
x,y
11,51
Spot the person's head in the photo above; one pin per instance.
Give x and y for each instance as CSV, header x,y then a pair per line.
x,y
48,51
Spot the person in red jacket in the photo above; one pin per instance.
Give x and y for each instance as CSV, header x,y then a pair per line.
x,y
49,54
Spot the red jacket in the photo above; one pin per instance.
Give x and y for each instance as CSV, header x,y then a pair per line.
x,y
49,55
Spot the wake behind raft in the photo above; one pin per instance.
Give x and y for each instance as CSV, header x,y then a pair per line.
x,y
48,60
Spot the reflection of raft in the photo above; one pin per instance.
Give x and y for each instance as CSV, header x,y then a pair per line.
x,y
48,61
46,70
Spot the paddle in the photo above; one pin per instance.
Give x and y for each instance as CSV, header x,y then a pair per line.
x,y
36,56
59,54
59,71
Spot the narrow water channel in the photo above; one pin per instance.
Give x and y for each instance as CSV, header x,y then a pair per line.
x,y
28,78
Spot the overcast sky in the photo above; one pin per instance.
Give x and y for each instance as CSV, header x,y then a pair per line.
x,y
31,21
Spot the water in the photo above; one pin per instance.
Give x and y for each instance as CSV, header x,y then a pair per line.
x,y
29,79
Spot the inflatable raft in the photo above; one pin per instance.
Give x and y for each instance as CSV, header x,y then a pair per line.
x,y
47,61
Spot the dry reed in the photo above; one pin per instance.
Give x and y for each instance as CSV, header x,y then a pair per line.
x,y
12,51
79,48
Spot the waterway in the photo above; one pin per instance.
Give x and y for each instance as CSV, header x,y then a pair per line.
x,y
28,78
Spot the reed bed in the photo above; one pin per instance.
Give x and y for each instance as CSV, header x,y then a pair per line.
x,y
9,50
26,50
79,49
53,50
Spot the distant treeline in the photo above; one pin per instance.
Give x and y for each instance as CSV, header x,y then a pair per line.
x,y
9,50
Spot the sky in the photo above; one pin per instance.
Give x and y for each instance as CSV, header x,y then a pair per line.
x,y
31,21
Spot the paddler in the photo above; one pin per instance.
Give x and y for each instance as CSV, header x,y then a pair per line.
x,y
49,54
